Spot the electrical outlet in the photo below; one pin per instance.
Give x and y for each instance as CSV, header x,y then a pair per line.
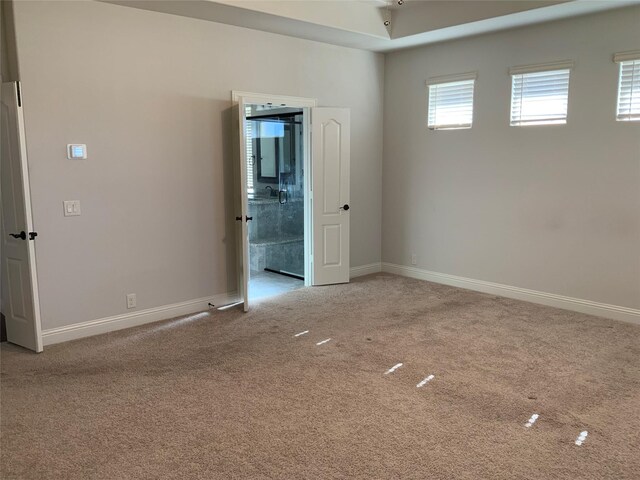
x,y
414,259
131,300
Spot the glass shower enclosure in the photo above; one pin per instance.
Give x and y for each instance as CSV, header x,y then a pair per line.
x,y
276,191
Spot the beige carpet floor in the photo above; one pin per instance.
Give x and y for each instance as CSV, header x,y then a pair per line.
x,y
229,395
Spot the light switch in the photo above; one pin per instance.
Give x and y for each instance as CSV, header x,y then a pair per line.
x,y
76,151
71,208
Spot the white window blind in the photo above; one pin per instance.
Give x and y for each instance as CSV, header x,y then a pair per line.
x,y
451,104
249,150
629,91
539,97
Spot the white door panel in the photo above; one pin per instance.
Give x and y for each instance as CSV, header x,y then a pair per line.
x,y
332,251
330,147
20,302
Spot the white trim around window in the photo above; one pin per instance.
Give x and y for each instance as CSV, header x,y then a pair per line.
x,y
541,67
450,101
628,101
540,94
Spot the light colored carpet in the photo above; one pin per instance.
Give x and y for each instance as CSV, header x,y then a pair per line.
x,y
230,395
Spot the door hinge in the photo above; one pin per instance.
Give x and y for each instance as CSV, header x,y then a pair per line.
x,y
19,94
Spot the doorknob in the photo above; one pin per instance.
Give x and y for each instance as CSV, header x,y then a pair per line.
x,y
345,207
239,218
248,218
21,235
32,235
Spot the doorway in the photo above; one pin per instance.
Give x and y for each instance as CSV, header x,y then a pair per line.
x,y
276,198
323,173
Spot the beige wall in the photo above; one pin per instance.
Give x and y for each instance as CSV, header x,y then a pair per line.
x,y
149,94
548,208
8,60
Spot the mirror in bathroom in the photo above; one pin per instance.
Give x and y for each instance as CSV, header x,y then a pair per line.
x,y
269,146
275,149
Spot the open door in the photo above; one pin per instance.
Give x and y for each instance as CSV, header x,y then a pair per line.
x,y
20,302
242,206
327,157
330,149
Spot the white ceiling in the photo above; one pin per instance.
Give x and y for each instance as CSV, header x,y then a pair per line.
x,y
360,23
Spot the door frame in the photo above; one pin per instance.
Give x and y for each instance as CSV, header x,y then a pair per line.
x,y
243,98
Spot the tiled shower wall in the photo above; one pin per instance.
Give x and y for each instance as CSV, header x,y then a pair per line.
x,y
276,235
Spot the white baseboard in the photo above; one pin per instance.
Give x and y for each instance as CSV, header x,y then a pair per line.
x,y
109,324
568,303
365,270
133,319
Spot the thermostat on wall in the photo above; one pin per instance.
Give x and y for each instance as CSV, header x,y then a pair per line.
x,y
76,152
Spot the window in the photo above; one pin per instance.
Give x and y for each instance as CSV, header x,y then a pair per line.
x,y
249,149
539,94
451,102
628,108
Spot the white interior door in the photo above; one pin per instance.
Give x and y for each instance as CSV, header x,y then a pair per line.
x,y
242,208
20,303
330,149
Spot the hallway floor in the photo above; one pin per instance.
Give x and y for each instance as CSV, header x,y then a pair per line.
x,y
267,284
